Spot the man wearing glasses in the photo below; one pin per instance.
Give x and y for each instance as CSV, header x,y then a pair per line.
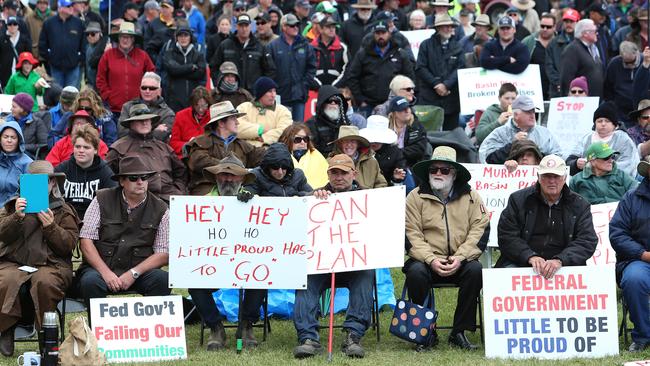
x,y
537,44
640,133
445,221
125,237
555,48
504,52
582,58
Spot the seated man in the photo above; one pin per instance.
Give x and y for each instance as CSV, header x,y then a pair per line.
x,y
546,226
601,181
341,174
228,177
445,250
629,234
640,132
496,147
125,237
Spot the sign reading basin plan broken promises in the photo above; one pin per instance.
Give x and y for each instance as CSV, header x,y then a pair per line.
x,y
220,242
356,230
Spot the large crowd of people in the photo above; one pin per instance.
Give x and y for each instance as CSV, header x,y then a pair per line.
x,y
283,98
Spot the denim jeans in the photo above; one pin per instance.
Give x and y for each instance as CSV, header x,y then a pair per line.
x,y
636,287
297,110
204,302
359,314
66,77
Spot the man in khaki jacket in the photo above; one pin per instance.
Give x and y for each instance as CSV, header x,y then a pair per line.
x,y
445,221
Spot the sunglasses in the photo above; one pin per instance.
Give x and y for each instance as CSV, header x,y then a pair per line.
x,y
299,139
150,88
332,101
134,178
611,157
278,167
645,117
15,24
443,171
546,26
239,9
410,90
92,34
260,23
292,25
87,109
577,91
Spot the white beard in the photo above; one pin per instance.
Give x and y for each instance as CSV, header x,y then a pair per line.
x,y
442,186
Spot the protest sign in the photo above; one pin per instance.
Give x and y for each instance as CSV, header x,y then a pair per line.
x,y
139,329
479,88
5,103
637,363
572,314
356,230
220,242
602,214
416,37
310,106
569,119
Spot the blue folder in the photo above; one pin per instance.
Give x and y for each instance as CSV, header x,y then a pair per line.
x,y
33,187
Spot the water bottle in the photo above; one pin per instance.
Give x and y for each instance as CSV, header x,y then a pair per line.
x,y
50,346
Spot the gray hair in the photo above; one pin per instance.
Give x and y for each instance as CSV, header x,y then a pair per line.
x,y
419,13
399,82
628,48
151,75
581,27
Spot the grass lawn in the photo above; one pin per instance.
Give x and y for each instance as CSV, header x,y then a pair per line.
x,y
277,350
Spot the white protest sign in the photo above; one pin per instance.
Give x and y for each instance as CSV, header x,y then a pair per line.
x,y
220,242
637,363
139,329
479,88
569,119
416,37
602,214
573,314
356,230
5,103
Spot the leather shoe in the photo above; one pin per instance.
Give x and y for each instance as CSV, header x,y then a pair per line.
x,y
460,340
637,347
7,342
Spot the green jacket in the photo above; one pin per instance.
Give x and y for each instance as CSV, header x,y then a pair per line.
x,y
488,122
18,83
608,188
530,41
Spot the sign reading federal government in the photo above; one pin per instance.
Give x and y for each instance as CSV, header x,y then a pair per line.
x,y
572,314
570,119
479,88
356,230
139,329
220,242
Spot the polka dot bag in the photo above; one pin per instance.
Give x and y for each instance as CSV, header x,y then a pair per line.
x,y
414,323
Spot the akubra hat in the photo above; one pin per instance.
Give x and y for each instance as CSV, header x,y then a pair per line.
x,y
483,20
643,105
132,165
45,167
140,112
523,4
126,28
443,19
231,165
350,133
644,167
221,110
364,4
444,154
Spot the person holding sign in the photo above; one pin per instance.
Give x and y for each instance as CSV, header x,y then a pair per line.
x,y
629,234
277,177
35,254
125,237
445,221
13,160
547,225
341,173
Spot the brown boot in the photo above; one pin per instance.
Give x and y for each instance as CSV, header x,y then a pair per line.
x,y
247,335
217,340
7,342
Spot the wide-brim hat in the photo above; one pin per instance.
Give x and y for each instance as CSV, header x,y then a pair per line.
x,y
643,105
350,133
45,167
221,110
126,28
523,4
26,56
643,168
83,114
231,165
443,154
446,3
364,4
483,20
443,19
377,131
132,165
140,112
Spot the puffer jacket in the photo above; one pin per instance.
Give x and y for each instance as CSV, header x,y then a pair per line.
x,y
261,122
323,130
12,165
185,71
294,183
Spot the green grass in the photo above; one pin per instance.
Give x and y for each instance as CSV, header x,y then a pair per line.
x,y
277,350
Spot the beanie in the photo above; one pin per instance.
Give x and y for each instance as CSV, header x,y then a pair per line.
x,y
24,101
607,110
580,82
263,85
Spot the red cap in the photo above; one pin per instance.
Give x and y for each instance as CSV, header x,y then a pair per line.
x,y
571,14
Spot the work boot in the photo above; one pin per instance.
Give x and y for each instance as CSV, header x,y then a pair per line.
x,y
460,340
7,342
217,340
351,345
308,348
247,335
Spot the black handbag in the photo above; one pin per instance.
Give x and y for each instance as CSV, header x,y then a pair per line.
x,y
415,323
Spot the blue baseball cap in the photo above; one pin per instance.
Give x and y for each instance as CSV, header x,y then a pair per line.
x,y
65,3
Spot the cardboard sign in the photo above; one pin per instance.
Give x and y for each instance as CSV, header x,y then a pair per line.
x,y
479,88
33,187
220,242
356,230
416,37
573,314
569,119
139,329
602,214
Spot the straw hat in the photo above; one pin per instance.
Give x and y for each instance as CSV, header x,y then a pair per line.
x,y
126,28
444,154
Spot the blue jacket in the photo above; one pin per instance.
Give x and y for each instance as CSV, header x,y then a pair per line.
x,y
295,68
61,43
12,165
629,231
197,23
495,57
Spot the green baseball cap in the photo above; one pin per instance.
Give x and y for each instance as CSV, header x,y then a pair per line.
x,y
600,150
